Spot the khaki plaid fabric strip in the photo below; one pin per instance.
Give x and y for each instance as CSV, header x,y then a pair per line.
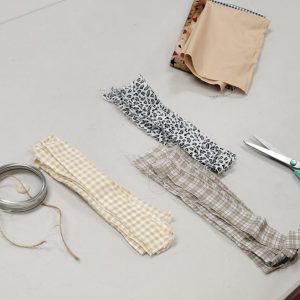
x,y
204,192
145,228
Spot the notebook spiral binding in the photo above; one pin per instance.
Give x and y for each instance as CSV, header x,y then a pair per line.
x,y
237,7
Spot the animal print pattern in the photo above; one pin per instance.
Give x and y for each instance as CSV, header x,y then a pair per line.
x,y
142,106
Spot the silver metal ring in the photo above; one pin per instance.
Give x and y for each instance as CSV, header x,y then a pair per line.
x,y
29,204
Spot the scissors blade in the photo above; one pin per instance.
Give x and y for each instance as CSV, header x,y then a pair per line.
x,y
279,157
267,144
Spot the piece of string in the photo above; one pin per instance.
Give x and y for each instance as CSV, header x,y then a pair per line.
x,y
19,245
60,230
26,191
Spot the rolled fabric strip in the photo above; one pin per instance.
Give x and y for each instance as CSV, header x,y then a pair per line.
x,y
141,105
145,228
206,195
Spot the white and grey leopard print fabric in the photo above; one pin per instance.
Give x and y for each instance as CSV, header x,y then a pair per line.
x,y
142,106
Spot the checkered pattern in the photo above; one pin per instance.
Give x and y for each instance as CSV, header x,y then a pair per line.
x,y
203,191
145,228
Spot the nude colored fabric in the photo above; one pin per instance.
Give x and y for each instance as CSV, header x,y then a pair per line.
x,y
177,60
224,46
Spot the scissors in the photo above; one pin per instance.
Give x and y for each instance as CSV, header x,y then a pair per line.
x,y
270,151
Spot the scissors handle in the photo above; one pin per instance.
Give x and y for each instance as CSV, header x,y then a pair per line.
x,y
297,173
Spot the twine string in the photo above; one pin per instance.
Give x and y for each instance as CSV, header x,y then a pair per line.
x,y
26,191
61,231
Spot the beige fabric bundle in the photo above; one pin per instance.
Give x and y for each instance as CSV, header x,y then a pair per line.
x,y
224,45
207,196
145,228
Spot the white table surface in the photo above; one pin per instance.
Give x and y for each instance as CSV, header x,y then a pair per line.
x,y
53,61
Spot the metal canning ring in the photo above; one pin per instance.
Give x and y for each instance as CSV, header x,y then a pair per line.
x,y
29,204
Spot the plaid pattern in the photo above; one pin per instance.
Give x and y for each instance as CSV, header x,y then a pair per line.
x,y
203,191
145,228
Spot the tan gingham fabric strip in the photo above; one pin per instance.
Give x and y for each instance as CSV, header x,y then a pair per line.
x,y
204,192
145,228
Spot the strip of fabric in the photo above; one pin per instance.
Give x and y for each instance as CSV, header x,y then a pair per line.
x,y
142,106
206,195
146,228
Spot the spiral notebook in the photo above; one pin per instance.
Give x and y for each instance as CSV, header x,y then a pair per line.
x,y
220,44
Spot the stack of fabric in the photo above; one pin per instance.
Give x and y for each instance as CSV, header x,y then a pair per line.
x,y
144,227
220,44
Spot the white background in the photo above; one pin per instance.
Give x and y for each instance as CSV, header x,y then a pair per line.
x,y
53,62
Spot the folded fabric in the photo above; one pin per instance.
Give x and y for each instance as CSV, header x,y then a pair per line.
x,y
145,228
142,106
220,44
206,195
177,60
